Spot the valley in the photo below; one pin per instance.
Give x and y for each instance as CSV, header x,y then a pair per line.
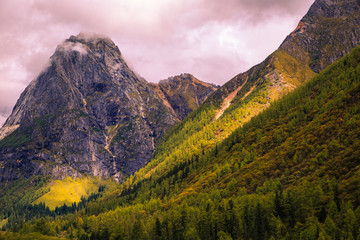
x,y
94,151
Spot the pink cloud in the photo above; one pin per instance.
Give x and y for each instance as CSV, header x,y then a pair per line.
x,y
214,40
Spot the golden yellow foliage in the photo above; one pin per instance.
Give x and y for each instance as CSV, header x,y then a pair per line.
x,y
70,190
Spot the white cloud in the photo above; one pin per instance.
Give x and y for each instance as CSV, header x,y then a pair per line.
x,y
67,47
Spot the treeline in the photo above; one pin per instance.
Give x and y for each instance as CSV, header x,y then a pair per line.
x,y
310,211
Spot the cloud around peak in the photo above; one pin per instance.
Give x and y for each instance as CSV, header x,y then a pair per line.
x,y
67,47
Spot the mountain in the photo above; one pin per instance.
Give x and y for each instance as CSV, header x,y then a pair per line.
x,y
86,113
184,93
292,172
272,154
332,28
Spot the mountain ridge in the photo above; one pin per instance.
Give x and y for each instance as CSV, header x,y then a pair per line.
x,y
256,89
327,23
184,93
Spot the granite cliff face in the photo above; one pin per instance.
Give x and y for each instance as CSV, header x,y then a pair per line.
x,y
184,93
329,30
87,112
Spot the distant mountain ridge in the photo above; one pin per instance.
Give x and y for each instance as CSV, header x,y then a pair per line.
x,y
329,30
87,112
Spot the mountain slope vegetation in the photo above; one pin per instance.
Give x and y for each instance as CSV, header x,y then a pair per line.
x,y
292,172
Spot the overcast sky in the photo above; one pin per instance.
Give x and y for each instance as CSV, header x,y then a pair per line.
x,y
212,39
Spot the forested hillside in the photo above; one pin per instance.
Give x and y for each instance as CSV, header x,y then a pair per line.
x,y
292,172
327,32
224,111
272,154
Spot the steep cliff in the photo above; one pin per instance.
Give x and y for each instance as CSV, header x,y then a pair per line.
x,y
87,112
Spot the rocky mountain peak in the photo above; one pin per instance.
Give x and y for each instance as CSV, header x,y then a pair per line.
x,y
180,78
87,112
84,44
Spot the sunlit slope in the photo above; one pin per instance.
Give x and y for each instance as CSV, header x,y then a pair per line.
x,y
327,32
70,190
231,106
311,134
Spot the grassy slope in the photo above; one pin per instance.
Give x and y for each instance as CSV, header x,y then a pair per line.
x,y
71,190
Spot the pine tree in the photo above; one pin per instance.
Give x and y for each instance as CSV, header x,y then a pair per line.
x,y
158,232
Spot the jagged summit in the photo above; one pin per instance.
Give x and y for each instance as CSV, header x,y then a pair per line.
x,y
85,43
66,78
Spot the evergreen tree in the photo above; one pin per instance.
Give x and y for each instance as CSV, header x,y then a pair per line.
x,y
158,232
